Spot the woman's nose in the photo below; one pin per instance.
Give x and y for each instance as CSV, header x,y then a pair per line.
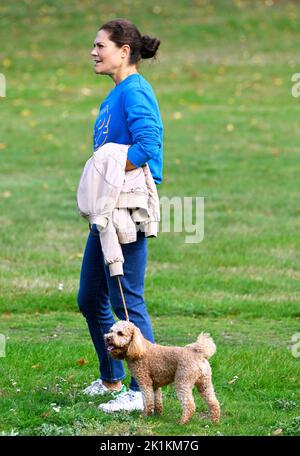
x,y
94,52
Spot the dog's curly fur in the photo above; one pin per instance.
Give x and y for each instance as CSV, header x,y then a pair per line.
x,y
154,366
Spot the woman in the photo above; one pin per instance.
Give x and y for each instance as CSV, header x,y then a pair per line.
x,y
129,115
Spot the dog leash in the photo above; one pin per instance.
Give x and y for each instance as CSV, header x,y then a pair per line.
x,y
119,281
123,299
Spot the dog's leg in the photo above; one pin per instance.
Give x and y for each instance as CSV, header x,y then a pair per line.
x,y
148,399
185,395
158,402
208,393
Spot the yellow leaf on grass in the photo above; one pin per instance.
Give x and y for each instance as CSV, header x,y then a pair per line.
x,y
25,113
177,115
6,63
278,82
86,91
229,127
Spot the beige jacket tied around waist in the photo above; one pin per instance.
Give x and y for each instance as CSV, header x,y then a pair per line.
x,y
116,200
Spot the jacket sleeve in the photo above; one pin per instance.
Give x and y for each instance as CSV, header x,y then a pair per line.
x,y
143,126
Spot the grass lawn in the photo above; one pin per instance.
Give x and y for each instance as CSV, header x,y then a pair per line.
x,y
223,82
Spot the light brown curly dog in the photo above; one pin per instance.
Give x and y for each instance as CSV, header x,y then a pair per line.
x,y
154,366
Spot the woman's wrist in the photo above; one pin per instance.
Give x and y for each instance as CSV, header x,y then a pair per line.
x,y
129,166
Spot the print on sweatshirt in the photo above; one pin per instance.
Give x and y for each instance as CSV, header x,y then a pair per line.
x,y
101,128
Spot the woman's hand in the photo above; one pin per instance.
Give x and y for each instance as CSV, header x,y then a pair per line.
x,y
129,166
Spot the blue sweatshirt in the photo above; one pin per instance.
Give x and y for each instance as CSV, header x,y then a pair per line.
x,y
130,115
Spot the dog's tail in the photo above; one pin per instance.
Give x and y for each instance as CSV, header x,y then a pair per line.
x,y
204,345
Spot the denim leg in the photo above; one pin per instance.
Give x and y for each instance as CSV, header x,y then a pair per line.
x,y
93,301
135,261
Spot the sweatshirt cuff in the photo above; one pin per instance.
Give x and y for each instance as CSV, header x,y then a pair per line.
x,y
116,268
136,156
98,220
151,229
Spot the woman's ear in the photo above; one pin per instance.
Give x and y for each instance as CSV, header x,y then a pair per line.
x,y
136,348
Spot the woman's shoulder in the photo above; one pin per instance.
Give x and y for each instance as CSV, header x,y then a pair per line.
x,y
138,86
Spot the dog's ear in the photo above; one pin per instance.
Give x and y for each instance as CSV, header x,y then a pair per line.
x,y
136,348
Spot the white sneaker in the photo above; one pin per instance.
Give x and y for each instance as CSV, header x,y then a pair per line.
x,y
128,401
98,388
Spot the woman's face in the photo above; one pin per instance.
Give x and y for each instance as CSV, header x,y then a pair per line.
x,y
107,56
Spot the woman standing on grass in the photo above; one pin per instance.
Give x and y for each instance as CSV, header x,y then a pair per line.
x,y
128,115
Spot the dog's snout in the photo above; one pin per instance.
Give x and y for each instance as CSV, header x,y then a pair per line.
x,y
107,337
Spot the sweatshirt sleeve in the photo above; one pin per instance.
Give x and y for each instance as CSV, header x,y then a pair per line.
x,y
143,125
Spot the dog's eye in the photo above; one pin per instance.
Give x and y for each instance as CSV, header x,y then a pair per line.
x,y
120,333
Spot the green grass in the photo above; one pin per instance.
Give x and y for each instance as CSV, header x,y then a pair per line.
x,y
226,67
43,361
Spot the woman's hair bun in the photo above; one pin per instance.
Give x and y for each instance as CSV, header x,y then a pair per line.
x,y
149,47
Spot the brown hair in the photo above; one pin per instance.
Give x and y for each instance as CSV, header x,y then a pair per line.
x,y
122,31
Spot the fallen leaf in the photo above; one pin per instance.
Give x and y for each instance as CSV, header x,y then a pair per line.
x,y
86,91
277,431
177,115
25,113
81,361
6,63
229,127
275,151
6,194
235,378
156,9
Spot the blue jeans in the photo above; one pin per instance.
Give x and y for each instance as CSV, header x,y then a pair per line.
x,y
98,292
